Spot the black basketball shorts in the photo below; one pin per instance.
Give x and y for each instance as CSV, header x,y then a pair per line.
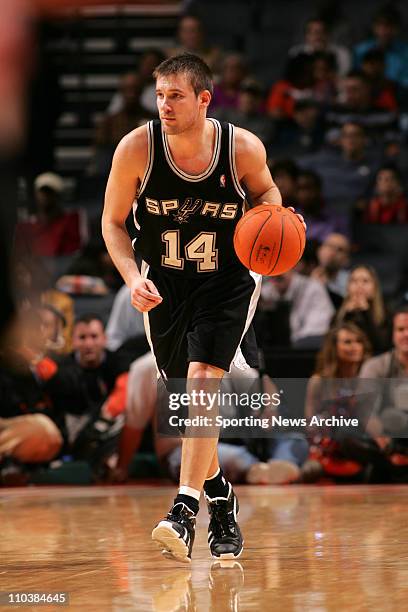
x,y
204,319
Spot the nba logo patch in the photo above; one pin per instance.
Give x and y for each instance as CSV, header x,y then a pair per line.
x,y
222,180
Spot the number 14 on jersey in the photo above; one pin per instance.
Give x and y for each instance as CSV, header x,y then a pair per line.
x,y
201,250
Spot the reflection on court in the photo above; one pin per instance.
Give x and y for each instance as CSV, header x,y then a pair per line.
x,y
306,548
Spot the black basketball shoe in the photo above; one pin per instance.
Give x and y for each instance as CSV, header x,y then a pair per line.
x,y
175,534
224,535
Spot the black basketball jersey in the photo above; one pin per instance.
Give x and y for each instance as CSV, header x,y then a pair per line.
x,y
186,222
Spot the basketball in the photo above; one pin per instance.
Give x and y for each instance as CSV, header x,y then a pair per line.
x,y
269,239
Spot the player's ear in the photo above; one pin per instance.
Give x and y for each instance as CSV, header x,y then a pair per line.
x,y
205,97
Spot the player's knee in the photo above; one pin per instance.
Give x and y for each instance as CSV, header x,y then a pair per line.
x,y
198,370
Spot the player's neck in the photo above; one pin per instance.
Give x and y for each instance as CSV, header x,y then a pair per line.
x,y
192,142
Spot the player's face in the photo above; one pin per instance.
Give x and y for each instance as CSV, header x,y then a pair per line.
x,y
179,107
350,349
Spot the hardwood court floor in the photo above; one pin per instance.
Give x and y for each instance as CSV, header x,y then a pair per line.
x,y
306,548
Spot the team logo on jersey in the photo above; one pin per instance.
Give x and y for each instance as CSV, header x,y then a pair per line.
x,y
189,207
222,180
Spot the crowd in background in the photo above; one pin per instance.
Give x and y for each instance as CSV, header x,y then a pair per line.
x,y
77,380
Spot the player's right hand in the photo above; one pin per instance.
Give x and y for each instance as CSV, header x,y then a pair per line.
x,y
144,295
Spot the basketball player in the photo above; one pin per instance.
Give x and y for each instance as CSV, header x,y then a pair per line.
x,y
190,176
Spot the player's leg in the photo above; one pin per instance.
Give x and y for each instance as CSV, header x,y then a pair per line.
x,y
176,532
224,535
200,468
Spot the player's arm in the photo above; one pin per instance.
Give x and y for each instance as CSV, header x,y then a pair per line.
x,y
250,158
128,166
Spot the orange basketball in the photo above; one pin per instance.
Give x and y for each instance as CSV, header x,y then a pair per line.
x,y
269,239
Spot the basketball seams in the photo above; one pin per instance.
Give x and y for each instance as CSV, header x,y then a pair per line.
x,y
301,246
287,250
257,236
280,246
244,220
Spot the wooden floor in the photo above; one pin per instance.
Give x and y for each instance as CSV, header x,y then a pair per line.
x,y
306,548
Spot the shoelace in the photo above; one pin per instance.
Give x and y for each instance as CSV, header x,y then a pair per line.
x,y
183,518
223,521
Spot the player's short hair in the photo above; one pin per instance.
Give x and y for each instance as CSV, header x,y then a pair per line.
x,y
196,70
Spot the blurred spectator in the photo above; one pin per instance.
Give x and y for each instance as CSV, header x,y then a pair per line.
x,y
346,174
389,204
90,388
53,323
52,231
317,39
284,454
92,272
297,84
227,90
386,27
31,426
285,172
383,91
125,322
148,62
301,134
391,366
331,391
308,261
33,287
333,258
192,39
310,203
324,69
249,113
357,105
344,350
112,128
294,310
364,306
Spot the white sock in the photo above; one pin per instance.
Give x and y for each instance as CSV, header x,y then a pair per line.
x,y
190,491
214,475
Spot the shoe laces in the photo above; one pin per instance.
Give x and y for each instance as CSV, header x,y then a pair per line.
x,y
184,516
223,522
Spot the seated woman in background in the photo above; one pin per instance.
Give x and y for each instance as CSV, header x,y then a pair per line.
x,y
331,391
389,204
345,349
364,306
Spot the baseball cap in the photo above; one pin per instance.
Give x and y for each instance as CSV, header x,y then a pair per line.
x,y
51,180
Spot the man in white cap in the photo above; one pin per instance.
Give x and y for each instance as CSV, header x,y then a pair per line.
x,y
52,231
